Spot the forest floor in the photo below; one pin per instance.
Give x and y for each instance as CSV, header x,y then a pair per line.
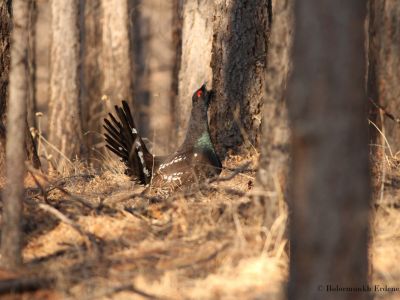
x,y
90,236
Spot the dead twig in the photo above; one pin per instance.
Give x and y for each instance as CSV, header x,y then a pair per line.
x,y
383,109
42,190
235,172
131,288
61,189
21,285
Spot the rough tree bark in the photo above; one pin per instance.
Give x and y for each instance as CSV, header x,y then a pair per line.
x,y
5,29
383,80
15,150
274,157
195,69
116,61
239,49
384,59
65,130
330,181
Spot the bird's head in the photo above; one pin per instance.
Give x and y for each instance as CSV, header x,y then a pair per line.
x,y
202,96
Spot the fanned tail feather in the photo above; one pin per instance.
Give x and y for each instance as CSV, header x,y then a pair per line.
x,y
123,140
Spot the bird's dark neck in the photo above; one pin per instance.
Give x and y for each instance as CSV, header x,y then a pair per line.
x,y
197,135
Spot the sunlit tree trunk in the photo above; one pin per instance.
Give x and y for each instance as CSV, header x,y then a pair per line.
x,y
330,181
116,60
239,57
65,130
195,69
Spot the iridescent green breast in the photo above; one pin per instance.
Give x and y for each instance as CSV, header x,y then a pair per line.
x,y
204,142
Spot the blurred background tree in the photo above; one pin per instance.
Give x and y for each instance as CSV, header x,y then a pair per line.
x,y
329,181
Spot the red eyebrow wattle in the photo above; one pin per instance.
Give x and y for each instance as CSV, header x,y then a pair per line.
x,y
199,92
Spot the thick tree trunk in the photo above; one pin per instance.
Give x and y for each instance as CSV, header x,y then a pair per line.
x,y
329,198
14,196
65,131
239,50
384,62
117,82
383,81
274,157
195,69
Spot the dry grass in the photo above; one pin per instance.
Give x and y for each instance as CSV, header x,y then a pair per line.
x,y
211,244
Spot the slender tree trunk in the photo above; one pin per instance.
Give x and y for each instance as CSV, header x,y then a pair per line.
x,y
5,29
31,109
65,130
330,189
274,157
117,82
140,35
177,25
195,69
92,108
239,50
158,59
14,196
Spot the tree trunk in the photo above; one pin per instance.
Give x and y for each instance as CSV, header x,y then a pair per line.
x,y
330,182
140,32
158,58
5,29
31,109
239,50
117,82
65,133
14,196
383,81
384,59
274,157
195,69
177,26
92,108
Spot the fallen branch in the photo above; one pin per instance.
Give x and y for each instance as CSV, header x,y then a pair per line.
x,y
21,285
61,189
235,172
133,289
